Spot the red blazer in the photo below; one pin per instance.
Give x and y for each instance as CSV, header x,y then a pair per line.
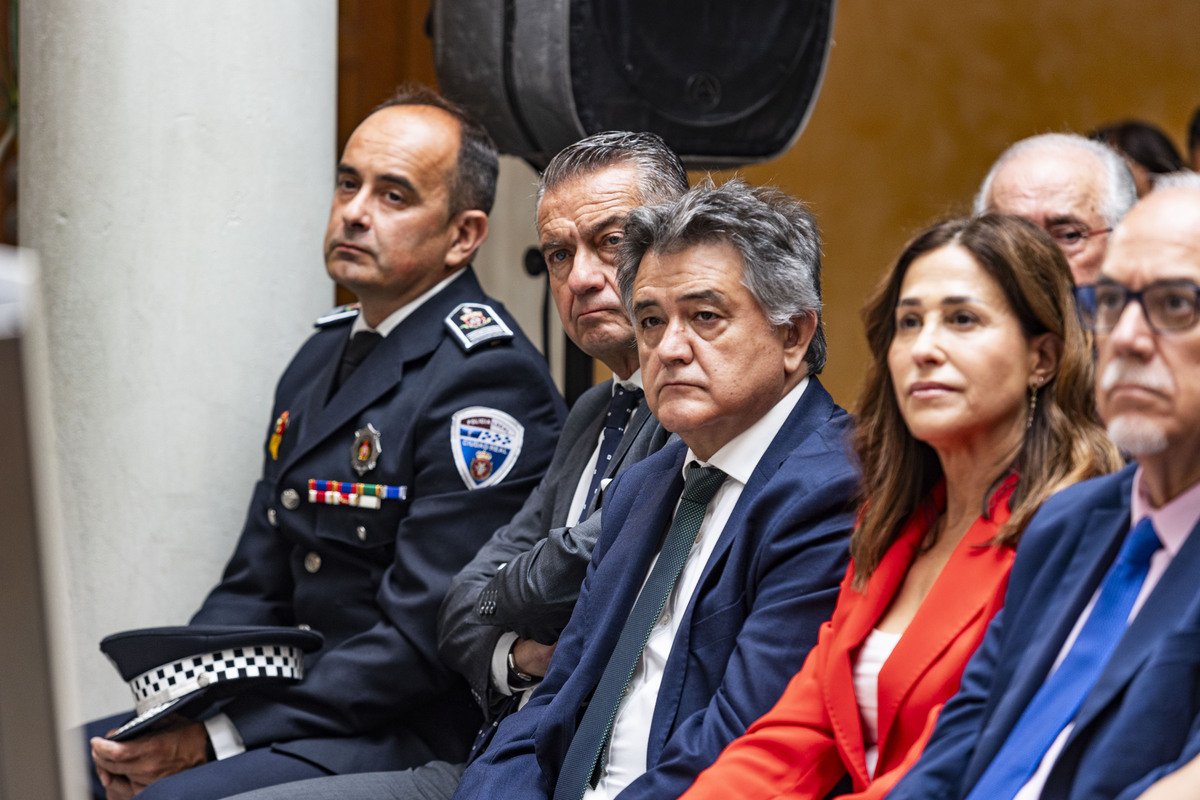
x,y
813,737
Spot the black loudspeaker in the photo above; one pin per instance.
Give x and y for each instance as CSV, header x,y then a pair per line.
x,y
724,82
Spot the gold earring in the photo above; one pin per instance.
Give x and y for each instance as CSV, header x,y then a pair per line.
x,y
1033,393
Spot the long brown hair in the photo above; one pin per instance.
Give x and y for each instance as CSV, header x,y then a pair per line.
x,y
1064,444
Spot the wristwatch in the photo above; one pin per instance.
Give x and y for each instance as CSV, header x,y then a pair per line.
x,y
518,681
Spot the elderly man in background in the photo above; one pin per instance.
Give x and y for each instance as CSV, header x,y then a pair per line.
x,y
1075,188
1085,686
720,555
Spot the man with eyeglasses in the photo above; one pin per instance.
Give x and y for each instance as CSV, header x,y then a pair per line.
x,y
1087,683
1075,188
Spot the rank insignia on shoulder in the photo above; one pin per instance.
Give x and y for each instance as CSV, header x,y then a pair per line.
x,y
486,444
475,323
339,314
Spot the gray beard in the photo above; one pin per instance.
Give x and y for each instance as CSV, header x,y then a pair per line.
x,y
1138,437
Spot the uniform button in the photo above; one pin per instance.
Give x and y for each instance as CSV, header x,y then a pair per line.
x,y
312,562
361,530
304,626
273,517
290,499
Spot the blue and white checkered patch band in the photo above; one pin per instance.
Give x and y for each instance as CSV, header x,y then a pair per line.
x,y
486,443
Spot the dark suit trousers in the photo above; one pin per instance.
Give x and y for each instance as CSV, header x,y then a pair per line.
x,y
436,780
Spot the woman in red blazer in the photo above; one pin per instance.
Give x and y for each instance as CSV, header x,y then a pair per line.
x,y
978,405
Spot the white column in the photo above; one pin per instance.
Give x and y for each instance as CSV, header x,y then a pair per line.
x,y
176,168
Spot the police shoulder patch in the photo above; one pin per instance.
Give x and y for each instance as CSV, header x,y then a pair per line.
x,y
339,314
472,324
486,443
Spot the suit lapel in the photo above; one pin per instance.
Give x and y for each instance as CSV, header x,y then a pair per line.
x,y
1161,610
417,336
582,449
641,415
1059,610
813,409
967,585
840,699
625,566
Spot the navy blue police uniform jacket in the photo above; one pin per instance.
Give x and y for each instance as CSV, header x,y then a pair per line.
x,y
376,695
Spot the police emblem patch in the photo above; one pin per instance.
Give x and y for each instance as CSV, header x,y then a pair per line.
x,y
486,444
366,450
475,323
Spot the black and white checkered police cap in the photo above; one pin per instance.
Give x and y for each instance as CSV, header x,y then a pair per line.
x,y
185,669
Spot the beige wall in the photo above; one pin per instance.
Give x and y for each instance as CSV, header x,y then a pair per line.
x,y
921,95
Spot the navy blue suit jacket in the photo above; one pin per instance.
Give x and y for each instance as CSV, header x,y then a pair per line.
x,y
770,582
376,695
1138,719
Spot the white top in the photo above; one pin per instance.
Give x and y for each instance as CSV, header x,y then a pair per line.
x,y
872,654
625,759
1173,522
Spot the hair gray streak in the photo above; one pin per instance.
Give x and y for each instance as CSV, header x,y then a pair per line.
x,y
775,235
661,175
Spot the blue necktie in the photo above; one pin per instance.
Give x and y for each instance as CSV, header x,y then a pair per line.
x,y
591,737
1063,692
619,408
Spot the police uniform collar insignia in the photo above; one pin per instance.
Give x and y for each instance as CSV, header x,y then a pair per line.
x,y
339,314
486,444
366,449
475,323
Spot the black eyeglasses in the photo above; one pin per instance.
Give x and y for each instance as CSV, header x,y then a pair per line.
x,y
1169,306
1068,236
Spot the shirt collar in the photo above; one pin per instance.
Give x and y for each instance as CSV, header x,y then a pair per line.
x,y
634,381
741,454
1173,521
402,313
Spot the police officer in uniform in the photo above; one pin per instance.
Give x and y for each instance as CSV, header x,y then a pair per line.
x,y
402,436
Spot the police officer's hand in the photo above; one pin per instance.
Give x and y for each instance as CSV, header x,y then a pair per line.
x,y
125,768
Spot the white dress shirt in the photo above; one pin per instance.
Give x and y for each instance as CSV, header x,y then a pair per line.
x,y
625,759
1173,522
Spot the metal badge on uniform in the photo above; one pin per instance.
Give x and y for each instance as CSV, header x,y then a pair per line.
x,y
281,425
366,449
486,444
475,323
